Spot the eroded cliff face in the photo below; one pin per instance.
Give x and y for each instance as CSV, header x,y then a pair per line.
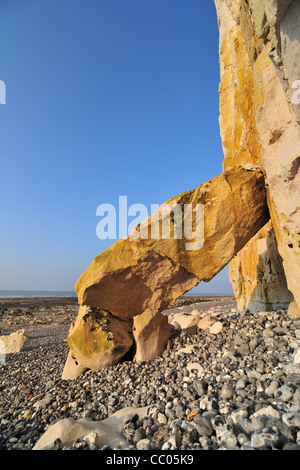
x,y
260,112
257,274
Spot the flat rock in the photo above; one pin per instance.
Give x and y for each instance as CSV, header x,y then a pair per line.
x,y
105,432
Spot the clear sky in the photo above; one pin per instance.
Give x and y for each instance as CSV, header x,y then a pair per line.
x,y
103,98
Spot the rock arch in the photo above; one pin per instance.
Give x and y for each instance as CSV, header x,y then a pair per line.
x,y
123,291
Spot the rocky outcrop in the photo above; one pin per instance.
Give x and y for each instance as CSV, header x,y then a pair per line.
x,y
127,286
260,109
257,275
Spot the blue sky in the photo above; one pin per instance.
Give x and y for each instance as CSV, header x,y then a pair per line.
x,y
103,98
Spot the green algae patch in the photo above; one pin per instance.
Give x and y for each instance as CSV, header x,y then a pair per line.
x,y
89,339
99,339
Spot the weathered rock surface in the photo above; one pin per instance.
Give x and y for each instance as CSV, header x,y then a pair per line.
x,y
97,340
234,206
257,275
294,310
183,321
13,343
104,433
151,333
260,109
138,277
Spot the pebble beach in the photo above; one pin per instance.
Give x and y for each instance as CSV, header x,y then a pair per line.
x,y
234,387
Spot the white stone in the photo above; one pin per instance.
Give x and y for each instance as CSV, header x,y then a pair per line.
x,y
205,323
143,444
291,419
161,418
267,411
186,350
13,343
216,328
263,439
184,321
195,313
296,357
107,431
270,390
91,438
194,366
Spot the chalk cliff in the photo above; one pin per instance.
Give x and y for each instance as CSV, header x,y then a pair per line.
x,y
259,121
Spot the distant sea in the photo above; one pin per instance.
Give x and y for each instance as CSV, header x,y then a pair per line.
x,y
9,294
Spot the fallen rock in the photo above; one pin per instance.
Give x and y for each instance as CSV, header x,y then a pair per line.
x,y
13,343
205,323
105,433
42,403
234,210
195,312
194,366
96,340
151,333
183,321
216,328
139,276
294,310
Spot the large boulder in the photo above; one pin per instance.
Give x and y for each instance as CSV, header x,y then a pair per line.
x,y
260,109
140,275
97,340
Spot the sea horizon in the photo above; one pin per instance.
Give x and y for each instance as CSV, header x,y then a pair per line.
x,y
12,294
7,294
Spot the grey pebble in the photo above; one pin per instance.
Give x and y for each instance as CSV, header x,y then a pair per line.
x,y
203,426
247,397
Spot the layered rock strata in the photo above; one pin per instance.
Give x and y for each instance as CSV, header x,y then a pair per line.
x,y
260,110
